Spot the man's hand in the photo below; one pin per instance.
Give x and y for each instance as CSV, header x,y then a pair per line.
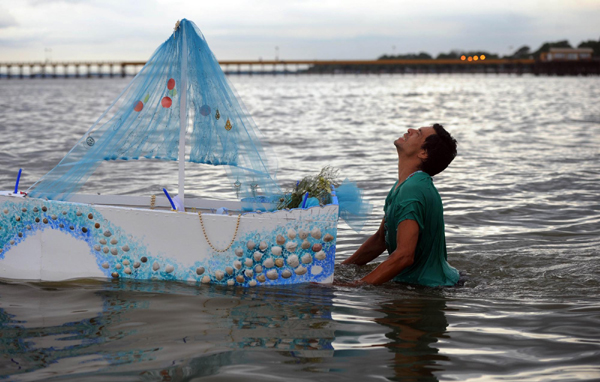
x,y
370,249
403,257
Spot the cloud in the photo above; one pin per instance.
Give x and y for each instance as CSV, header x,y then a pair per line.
x,y
6,19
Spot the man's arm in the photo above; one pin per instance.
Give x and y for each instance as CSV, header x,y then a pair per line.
x,y
370,249
401,258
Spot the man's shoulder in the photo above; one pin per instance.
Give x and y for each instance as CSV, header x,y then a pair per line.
x,y
419,187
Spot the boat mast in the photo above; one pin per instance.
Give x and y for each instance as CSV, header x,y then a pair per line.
x,y
182,117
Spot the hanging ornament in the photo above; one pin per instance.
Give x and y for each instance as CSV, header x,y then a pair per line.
x,y
173,92
254,187
139,106
146,98
205,110
171,84
90,141
217,115
166,102
228,125
237,186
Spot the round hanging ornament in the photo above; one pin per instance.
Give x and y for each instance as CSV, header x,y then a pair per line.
x,y
166,102
171,84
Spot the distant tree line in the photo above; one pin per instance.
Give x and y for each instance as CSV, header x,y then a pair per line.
x,y
522,52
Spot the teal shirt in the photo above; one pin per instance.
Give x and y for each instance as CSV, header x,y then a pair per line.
x,y
417,199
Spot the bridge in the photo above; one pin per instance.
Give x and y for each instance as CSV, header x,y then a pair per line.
x,y
77,69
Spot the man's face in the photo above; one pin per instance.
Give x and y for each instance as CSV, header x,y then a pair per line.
x,y
411,142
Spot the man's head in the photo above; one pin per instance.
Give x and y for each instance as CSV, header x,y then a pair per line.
x,y
433,146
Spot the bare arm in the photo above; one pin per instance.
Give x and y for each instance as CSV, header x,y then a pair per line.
x,y
401,258
370,249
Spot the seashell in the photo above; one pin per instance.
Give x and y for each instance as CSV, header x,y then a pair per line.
x,y
286,274
305,244
257,256
279,263
272,274
105,265
231,282
316,233
107,233
118,266
136,264
144,259
317,247
263,245
239,252
114,251
127,270
229,270
46,222
258,269
18,218
300,271
84,230
20,234
78,213
237,264
115,275
125,248
291,246
280,239
251,245
307,259
12,242
64,212
105,250
97,247
102,241
199,270
252,283
37,220
155,266
240,279
6,210
169,268
248,262
303,234
90,216
249,272
126,262
29,227
219,275
328,237
269,263
114,241
293,261
291,234
206,279
61,225
261,278
44,208
24,209
320,255
97,225
315,270
276,251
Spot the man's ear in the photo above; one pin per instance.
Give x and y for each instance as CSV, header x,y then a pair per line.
x,y
422,155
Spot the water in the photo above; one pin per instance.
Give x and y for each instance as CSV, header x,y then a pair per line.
x,y
522,210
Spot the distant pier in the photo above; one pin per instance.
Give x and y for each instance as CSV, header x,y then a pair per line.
x,y
86,69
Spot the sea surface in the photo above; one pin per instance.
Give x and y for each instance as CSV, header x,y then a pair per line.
x,y
522,212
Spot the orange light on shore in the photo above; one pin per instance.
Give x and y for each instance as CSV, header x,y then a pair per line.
x,y
463,57
470,58
482,57
475,58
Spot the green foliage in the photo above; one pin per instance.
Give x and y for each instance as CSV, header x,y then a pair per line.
x,y
547,45
591,44
318,186
409,56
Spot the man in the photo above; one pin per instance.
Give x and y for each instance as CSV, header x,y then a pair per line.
x,y
413,227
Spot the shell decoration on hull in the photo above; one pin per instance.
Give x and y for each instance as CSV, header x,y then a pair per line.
x,y
120,255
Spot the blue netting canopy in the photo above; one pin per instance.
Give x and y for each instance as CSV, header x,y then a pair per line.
x,y
181,86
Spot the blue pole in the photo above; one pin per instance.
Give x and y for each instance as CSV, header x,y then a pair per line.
x,y
169,197
18,179
304,200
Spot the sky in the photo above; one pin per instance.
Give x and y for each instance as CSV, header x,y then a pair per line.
x,y
61,30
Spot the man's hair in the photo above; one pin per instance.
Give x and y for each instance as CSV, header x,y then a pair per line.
x,y
441,150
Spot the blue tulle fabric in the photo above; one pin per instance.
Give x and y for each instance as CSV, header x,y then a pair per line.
x,y
144,122
354,209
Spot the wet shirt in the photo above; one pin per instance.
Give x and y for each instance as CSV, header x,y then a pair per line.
x,y
417,199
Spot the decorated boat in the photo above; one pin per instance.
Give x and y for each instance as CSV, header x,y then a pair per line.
x,y
51,232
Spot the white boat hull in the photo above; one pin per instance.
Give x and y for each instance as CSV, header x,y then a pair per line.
x,y
52,241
